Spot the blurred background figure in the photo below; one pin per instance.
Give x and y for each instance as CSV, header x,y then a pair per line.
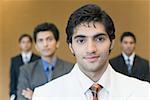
x,y
128,62
26,56
49,67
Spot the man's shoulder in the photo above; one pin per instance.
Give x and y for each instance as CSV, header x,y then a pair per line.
x,y
31,65
116,57
64,61
16,57
115,60
129,85
141,59
53,88
130,80
35,55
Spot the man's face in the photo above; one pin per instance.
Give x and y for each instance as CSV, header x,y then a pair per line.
x,y
128,45
25,44
91,44
46,43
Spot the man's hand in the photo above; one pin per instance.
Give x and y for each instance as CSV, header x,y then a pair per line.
x,y
27,93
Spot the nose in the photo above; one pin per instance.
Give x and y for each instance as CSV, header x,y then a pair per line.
x,y
45,43
91,47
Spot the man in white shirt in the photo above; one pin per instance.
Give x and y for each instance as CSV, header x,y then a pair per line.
x,y
90,35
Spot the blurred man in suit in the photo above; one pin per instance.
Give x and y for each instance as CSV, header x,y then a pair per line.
x,y
49,67
90,36
128,62
26,56
148,77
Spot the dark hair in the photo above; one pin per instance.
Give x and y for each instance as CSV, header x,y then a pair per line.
x,y
127,34
25,35
86,14
46,27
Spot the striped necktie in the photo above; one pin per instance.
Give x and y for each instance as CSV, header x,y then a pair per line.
x,y
95,88
129,66
49,71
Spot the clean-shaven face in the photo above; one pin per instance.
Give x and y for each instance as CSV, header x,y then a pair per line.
x,y
91,44
128,45
46,43
25,44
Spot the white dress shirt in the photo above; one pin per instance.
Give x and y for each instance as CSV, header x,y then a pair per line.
x,y
26,56
75,86
131,58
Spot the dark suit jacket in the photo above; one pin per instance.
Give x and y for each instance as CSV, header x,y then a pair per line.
x,y
16,62
140,68
32,75
148,77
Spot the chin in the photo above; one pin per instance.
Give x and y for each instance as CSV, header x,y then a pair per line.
x,y
47,55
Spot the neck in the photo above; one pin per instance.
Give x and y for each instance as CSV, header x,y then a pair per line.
x,y
49,59
96,75
26,52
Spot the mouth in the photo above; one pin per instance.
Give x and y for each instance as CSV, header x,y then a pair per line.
x,y
91,59
46,49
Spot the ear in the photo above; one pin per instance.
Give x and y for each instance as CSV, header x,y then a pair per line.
x,y
71,49
112,44
57,45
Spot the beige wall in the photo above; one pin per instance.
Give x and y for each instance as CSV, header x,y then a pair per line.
x,y
20,16
1,84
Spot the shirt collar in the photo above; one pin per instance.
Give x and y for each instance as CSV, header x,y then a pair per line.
x,y
27,54
50,65
105,80
86,82
126,57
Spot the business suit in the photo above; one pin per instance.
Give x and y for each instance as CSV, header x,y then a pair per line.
x,y
16,62
148,77
120,87
139,69
33,75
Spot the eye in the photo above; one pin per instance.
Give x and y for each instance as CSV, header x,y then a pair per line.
x,y
39,40
80,40
50,38
100,39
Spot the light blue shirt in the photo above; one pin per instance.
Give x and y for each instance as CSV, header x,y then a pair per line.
x,y
48,68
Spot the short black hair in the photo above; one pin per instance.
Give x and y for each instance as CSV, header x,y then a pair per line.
x,y
46,27
25,35
127,34
86,14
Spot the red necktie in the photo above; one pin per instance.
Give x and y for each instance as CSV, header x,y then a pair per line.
x,y
95,88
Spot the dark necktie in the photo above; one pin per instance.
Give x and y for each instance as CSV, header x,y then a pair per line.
x,y
49,73
129,66
95,88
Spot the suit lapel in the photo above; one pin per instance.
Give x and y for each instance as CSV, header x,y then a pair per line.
x,y
58,69
123,65
38,75
31,58
21,60
135,64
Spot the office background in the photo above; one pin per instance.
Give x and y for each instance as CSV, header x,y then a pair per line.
x,y
21,16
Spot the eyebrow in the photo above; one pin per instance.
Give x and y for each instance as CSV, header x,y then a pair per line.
x,y
82,36
79,36
99,34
